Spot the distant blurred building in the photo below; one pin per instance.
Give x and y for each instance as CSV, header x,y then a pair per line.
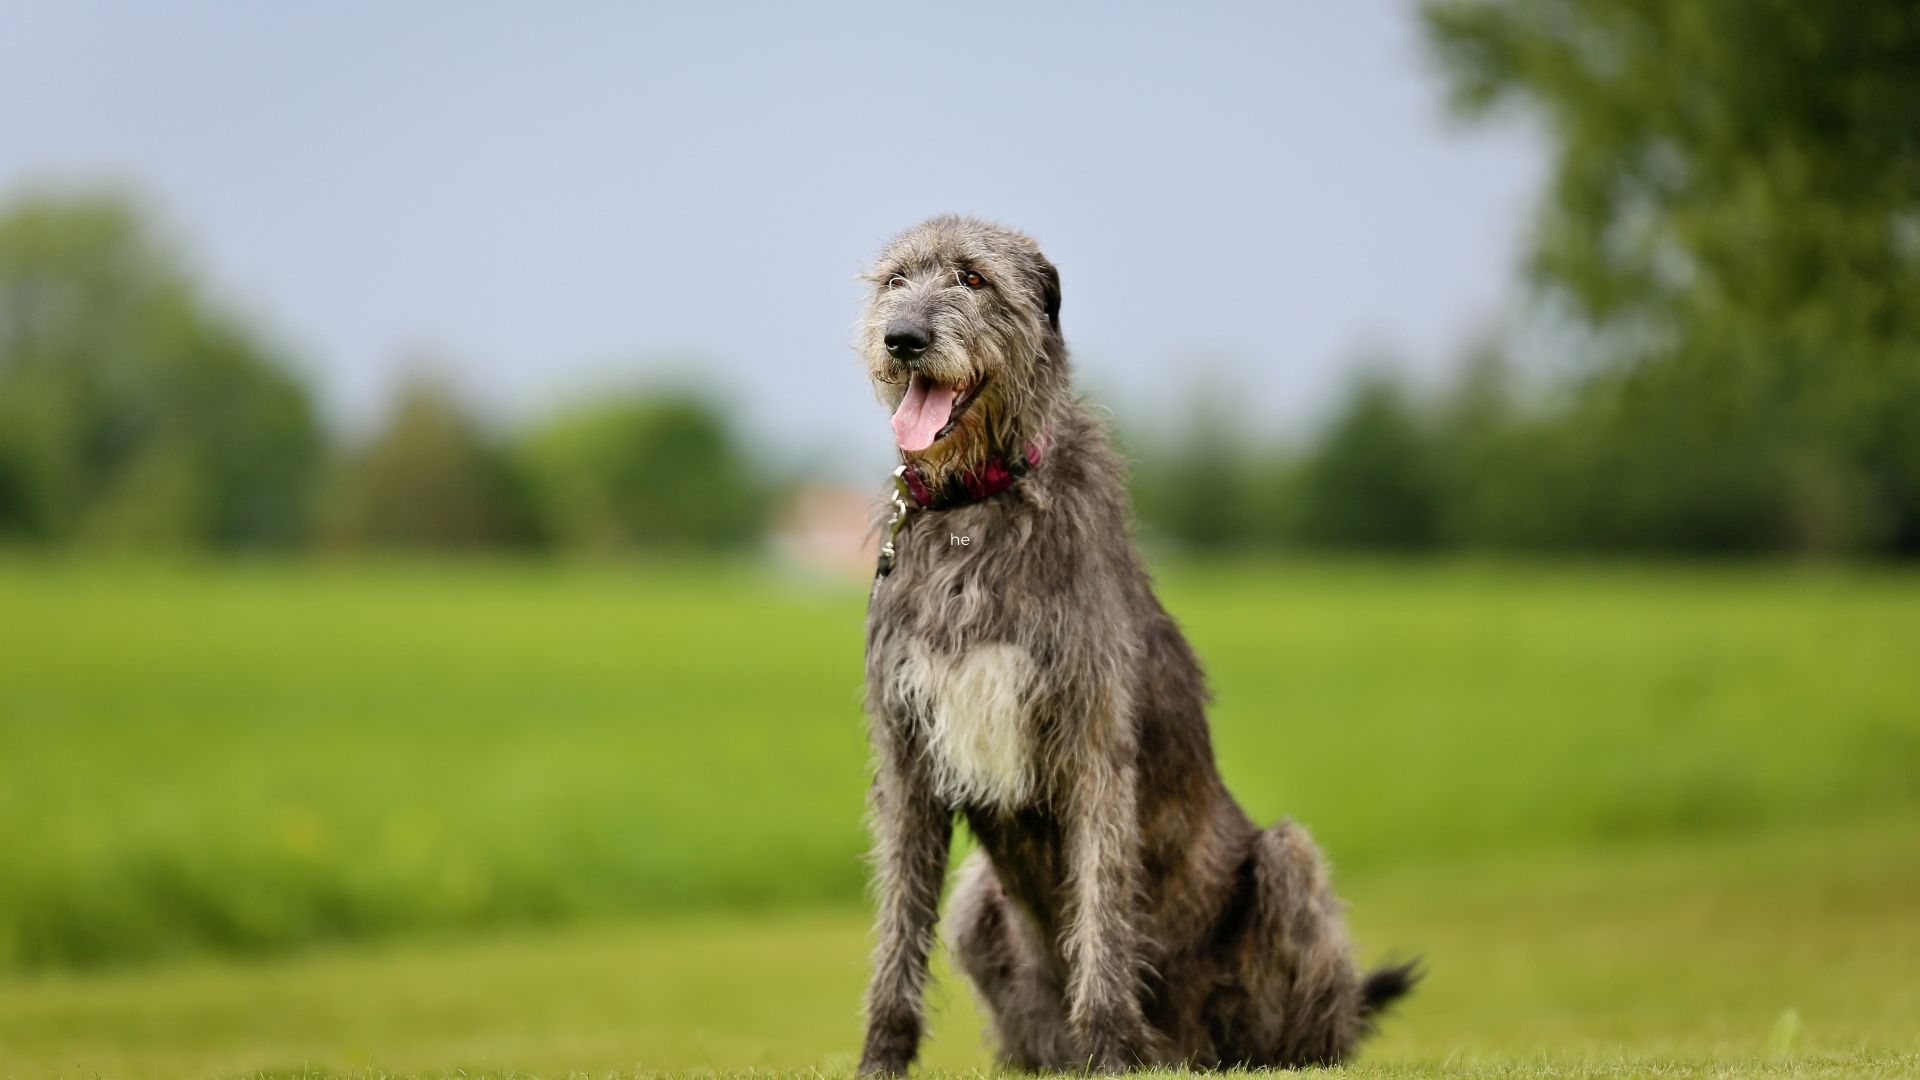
x,y
826,529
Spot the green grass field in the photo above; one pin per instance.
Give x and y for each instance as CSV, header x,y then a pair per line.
x,y
1789,948
564,818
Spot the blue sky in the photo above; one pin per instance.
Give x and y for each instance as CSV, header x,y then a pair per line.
x,y
545,203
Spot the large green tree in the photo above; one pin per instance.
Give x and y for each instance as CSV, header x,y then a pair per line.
x,y
132,409
1734,214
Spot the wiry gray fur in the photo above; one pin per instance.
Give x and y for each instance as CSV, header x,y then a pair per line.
x,y
1122,909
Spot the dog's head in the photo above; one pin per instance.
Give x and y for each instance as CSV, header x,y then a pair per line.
x,y
962,338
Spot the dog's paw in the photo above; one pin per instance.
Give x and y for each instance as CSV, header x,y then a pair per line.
x,y
890,1048
1112,1049
883,1066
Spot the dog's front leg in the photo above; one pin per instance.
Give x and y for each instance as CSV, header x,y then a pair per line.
x,y
1102,946
911,831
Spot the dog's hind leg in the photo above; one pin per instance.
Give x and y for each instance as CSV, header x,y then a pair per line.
x,y
997,948
1296,965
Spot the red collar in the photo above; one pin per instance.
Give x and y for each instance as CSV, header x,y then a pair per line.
x,y
972,485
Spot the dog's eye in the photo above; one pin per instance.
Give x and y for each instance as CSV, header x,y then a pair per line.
x,y
897,282
972,279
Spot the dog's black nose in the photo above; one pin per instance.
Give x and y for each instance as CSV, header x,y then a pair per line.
x,y
906,341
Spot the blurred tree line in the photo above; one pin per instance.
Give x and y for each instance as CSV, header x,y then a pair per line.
x,y
136,412
1728,251
1733,224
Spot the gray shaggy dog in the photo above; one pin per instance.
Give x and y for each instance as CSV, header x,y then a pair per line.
x,y
1122,910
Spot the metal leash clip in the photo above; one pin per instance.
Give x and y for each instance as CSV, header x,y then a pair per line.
x,y
901,508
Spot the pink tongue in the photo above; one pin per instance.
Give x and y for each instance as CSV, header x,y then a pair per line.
x,y
922,413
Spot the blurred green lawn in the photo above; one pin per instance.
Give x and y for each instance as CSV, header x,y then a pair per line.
x,y
1630,814
1790,950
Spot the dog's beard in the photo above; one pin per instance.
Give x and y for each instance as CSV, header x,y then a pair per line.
x,y
961,404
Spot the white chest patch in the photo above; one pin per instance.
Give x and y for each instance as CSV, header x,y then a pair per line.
x,y
975,705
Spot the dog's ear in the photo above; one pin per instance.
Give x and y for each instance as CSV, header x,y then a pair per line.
x,y
1049,292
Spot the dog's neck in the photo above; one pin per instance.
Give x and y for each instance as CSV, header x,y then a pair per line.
x,y
972,485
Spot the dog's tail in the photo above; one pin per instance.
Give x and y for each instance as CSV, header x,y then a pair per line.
x,y
1385,985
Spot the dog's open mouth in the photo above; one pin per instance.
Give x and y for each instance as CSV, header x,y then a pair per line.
x,y
929,411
